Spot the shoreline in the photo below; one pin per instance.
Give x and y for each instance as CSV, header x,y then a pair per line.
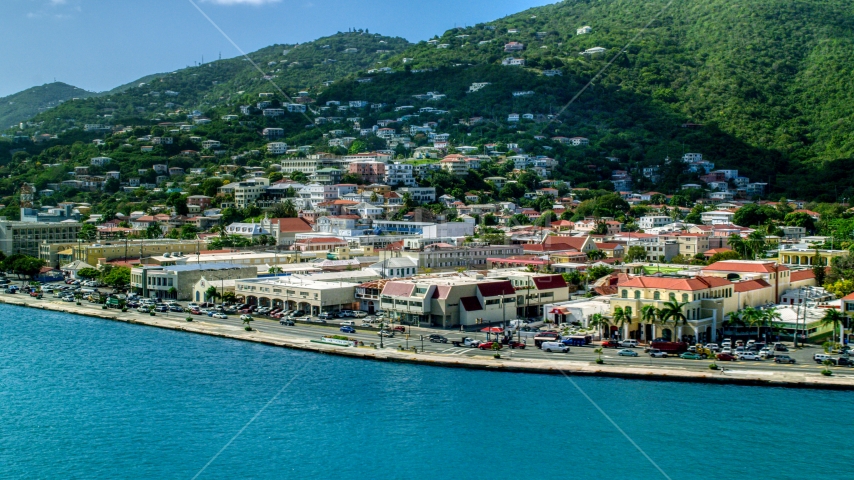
x,y
575,368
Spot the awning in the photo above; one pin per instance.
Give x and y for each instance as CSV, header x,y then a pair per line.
x,y
559,311
492,330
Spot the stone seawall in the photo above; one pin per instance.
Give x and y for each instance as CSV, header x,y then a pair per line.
x,y
567,368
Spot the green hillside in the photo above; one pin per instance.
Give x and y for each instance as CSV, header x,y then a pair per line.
x,y
775,74
24,105
291,68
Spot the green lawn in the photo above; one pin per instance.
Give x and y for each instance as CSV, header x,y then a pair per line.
x,y
651,270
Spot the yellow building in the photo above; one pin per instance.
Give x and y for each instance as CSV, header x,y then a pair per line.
x,y
806,257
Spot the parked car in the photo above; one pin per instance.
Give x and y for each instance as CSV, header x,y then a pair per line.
x,y
437,339
347,329
656,353
490,346
287,322
610,344
219,315
766,353
627,353
783,359
245,317
195,311
385,333
359,314
349,323
325,316
628,343
820,357
843,362
690,356
749,356
345,313
161,308
176,308
725,357
400,329
514,344
713,347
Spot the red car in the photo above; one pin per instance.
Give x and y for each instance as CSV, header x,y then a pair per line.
x,y
516,345
488,345
725,357
196,311
610,344
399,328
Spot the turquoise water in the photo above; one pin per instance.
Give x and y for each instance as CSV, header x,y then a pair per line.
x,y
87,398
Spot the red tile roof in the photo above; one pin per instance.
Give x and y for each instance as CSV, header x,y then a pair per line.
x,y
321,240
802,275
688,284
295,225
546,282
471,304
495,289
745,267
398,289
751,285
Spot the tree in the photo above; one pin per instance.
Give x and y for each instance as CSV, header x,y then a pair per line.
x,y
722,256
756,244
752,318
87,232
835,318
622,319
672,312
298,177
117,277
649,316
738,245
818,269
800,219
178,203
211,293
733,320
636,253
598,271
596,255
597,321
88,273
228,297
153,231
841,287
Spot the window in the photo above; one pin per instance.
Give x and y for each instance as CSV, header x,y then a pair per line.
x,y
684,297
656,296
625,294
637,294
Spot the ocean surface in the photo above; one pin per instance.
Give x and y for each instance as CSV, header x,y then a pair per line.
x,y
84,398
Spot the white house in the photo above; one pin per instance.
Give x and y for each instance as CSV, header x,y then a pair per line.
x,y
717,217
583,30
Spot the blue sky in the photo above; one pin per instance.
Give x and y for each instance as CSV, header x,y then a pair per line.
x,y
100,44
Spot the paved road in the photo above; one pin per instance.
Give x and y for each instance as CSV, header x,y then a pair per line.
x,y
576,354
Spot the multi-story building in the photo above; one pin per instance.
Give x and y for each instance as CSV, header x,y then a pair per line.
x,y
177,281
690,244
420,194
449,301
277,148
400,174
95,253
653,221
246,192
26,238
442,256
370,171
298,292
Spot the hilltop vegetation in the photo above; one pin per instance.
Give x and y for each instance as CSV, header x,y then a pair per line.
x,y
764,87
24,105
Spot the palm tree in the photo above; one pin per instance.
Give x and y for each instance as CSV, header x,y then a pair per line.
x,y
672,311
835,318
733,321
738,244
769,317
752,318
211,293
595,255
649,315
756,243
622,318
597,320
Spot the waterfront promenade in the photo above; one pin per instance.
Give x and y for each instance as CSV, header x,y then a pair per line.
x,y
579,362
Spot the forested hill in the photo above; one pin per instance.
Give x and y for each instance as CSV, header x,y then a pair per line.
x,y
24,105
776,74
291,68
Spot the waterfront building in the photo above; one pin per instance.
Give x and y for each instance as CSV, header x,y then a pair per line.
x,y
298,292
177,282
27,238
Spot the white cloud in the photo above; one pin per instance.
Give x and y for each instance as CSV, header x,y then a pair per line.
x,y
241,2
58,2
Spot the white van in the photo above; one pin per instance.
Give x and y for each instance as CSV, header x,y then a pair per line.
x,y
554,347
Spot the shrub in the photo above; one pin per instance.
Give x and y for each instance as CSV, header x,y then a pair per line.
x,y
713,366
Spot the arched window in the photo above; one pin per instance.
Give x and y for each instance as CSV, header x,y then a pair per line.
x,y
672,297
637,294
625,294
684,297
657,296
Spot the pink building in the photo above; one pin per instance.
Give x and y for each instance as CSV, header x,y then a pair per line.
x,y
370,171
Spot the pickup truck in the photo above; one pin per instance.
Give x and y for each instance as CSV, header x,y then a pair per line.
x,y
466,342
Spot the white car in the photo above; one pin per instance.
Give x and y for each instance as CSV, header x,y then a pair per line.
x,y
219,315
656,353
749,356
766,353
713,347
244,317
727,351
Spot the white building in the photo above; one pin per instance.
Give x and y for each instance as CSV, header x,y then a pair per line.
x,y
717,217
277,148
653,221
400,174
583,30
